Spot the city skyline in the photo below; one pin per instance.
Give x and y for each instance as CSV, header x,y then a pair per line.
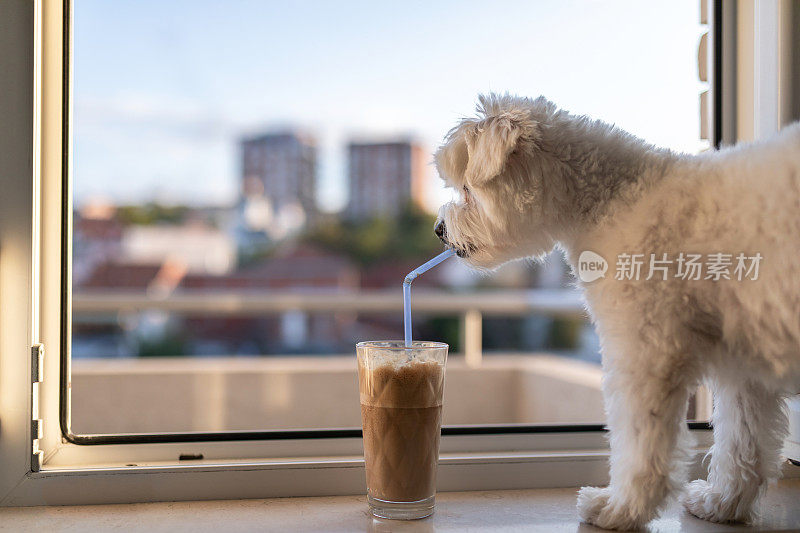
x,y
160,101
420,196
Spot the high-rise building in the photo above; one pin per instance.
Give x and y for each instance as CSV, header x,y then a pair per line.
x,y
384,177
278,182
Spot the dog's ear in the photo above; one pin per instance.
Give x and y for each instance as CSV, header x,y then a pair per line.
x,y
451,158
491,141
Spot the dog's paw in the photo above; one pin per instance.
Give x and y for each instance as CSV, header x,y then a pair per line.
x,y
594,508
702,501
591,501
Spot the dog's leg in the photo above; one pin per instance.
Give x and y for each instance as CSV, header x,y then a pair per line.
x,y
749,428
649,438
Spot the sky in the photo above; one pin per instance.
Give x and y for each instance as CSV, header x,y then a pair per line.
x,y
164,90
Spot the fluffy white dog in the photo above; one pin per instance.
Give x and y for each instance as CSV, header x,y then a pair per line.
x,y
535,177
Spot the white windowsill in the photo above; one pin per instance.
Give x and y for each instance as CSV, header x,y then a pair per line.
x,y
112,484
505,510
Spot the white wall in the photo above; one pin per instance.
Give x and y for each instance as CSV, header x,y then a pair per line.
x,y
174,394
16,243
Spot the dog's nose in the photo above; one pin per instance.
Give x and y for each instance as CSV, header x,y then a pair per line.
x,y
439,230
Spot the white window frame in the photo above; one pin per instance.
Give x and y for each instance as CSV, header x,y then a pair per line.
x,y
763,83
66,473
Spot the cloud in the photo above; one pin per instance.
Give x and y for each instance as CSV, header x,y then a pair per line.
x,y
141,113
133,147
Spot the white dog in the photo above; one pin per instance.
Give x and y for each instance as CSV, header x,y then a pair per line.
x,y
534,177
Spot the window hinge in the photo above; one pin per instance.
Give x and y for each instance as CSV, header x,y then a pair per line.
x,y
37,360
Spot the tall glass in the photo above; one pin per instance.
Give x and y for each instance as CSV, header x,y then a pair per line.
x,y
401,415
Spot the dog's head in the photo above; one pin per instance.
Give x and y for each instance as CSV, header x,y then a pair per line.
x,y
494,161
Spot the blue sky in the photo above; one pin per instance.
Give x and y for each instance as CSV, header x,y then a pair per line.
x,y
163,90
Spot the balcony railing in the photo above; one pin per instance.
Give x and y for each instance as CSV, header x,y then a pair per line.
x,y
470,306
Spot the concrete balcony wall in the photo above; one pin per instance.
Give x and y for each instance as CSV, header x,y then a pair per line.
x,y
227,393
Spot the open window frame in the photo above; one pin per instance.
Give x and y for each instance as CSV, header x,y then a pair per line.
x,y
45,463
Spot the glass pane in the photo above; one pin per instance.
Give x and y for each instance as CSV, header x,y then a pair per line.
x,y
252,181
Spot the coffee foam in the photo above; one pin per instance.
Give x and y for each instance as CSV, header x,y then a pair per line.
x,y
391,381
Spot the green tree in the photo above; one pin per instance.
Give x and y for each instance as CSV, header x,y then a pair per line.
x,y
408,236
152,213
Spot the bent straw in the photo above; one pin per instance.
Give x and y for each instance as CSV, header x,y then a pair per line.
x,y
409,279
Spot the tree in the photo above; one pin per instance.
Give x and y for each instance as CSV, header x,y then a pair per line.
x,y
409,236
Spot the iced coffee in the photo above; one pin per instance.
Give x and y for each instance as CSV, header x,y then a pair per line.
x,y
401,413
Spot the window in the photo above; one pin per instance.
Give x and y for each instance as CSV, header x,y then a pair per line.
x,y
260,154
278,459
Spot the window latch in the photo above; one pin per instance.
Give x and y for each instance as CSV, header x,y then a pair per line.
x,y
37,360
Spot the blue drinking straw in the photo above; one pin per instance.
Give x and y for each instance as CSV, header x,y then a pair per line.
x,y
409,279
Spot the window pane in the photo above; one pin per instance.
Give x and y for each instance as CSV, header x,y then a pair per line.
x,y
252,181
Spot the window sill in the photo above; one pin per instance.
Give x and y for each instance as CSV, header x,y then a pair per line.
x,y
300,476
503,510
307,476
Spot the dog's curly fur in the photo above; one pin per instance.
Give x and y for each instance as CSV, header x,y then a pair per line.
x,y
535,177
